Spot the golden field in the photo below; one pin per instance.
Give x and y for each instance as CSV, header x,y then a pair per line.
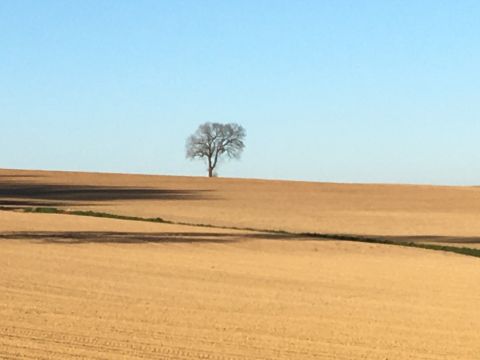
x,y
389,210
74,287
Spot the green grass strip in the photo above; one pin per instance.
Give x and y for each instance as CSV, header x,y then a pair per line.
x,y
454,249
51,210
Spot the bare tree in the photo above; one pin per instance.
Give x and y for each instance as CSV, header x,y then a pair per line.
x,y
212,141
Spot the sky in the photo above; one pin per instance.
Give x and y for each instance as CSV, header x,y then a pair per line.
x,y
336,91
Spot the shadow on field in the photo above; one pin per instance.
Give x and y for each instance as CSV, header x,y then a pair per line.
x,y
136,238
23,193
29,203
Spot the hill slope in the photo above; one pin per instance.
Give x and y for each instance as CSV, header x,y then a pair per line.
x,y
81,287
388,210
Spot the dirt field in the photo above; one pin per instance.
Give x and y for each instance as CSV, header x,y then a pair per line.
x,y
391,210
76,287
108,297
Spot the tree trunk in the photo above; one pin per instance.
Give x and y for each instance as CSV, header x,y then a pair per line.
x,y
210,171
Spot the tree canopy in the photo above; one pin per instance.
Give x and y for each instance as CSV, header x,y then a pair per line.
x,y
213,141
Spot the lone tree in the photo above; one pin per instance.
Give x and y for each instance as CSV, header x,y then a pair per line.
x,y
212,141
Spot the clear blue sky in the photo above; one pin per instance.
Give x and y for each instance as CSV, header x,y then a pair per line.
x,y
349,91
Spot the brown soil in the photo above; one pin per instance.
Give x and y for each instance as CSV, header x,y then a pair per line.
x,y
389,210
91,288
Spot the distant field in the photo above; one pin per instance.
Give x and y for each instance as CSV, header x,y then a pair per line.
x,y
386,210
76,287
